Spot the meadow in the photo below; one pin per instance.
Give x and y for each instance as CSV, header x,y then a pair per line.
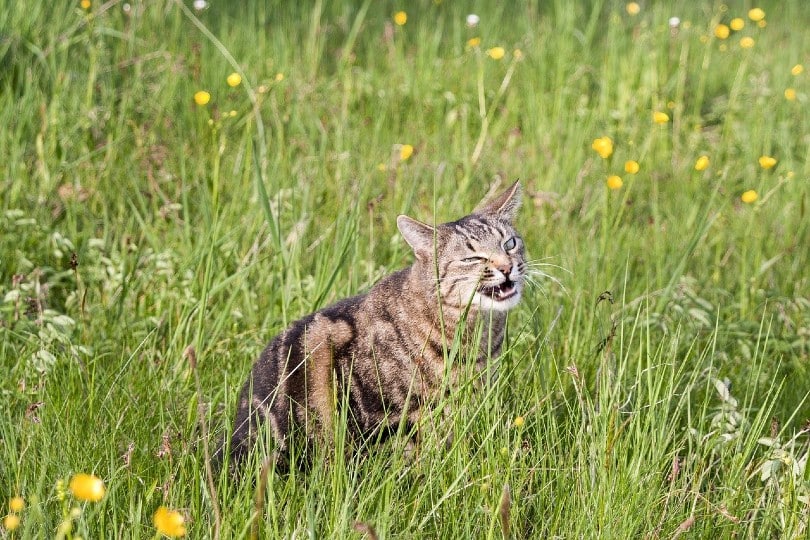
x,y
178,184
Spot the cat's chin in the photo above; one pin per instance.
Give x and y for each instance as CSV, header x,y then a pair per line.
x,y
490,302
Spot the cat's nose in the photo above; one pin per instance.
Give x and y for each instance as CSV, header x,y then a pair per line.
x,y
505,267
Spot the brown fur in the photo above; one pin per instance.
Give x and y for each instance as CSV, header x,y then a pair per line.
x,y
384,352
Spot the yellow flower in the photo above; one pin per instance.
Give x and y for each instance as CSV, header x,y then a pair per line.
x,y
790,94
169,522
85,4
762,24
87,487
631,167
474,42
519,421
749,196
747,42
11,522
797,69
660,117
767,162
603,146
405,152
614,182
633,8
400,17
702,163
721,31
16,504
756,14
496,53
279,77
737,24
234,79
202,97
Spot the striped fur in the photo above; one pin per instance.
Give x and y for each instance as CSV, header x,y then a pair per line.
x,y
383,352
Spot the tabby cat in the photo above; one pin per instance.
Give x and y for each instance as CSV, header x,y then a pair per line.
x,y
383,352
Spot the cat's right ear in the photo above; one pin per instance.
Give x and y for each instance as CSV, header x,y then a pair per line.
x,y
420,236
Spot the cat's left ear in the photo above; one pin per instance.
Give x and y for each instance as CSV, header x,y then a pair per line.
x,y
505,205
420,236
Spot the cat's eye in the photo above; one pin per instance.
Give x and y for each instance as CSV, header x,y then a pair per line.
x,y
510,244
472,259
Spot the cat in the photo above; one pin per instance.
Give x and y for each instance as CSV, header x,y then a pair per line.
x,y
383,353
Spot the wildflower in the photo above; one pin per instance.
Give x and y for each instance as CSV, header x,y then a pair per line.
x,y
797,69
400,18
519,421
767,162
762,24
674,22
473,20
232,113
169,522
11,522
234,80
790,94
747,42
631,167
756,14
405,152
474,42
749,196
504,451
614,182
496,53
279,77
603,146
202,97
517,54
737,24
633,8
87,487
16,504
702,163
660,117
85,4
721,31
200,5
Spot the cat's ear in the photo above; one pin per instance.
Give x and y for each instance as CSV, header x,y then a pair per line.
x,y
420,236
504,206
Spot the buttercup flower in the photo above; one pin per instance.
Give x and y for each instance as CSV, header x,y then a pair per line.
x,y
202,97
234,79
603,146
737,24
496,53
790,94
756,14
87,487
519,421
721,31
767,162
16,504
747,42
279,77
633,8
85,4
631,167
400,18
660,117
405,152
749,196
797,69
169,522
614,182
11,522
474,42
702,163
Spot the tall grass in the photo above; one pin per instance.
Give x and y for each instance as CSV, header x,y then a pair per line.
x,y
135,223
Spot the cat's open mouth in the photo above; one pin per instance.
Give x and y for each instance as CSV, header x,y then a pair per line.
x,y
501,292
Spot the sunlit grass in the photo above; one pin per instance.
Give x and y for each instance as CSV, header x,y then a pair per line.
x,y
202,174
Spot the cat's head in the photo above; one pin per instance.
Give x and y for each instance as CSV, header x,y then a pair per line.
x,y
479,260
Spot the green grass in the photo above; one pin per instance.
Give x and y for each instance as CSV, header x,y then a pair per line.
x,y
192,226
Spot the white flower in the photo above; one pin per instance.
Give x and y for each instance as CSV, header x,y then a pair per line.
x,y
200,5
674,22
473,20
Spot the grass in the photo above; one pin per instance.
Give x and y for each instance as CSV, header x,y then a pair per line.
x,y
675,406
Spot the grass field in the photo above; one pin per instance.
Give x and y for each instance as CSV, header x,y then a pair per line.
x,y
138,218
